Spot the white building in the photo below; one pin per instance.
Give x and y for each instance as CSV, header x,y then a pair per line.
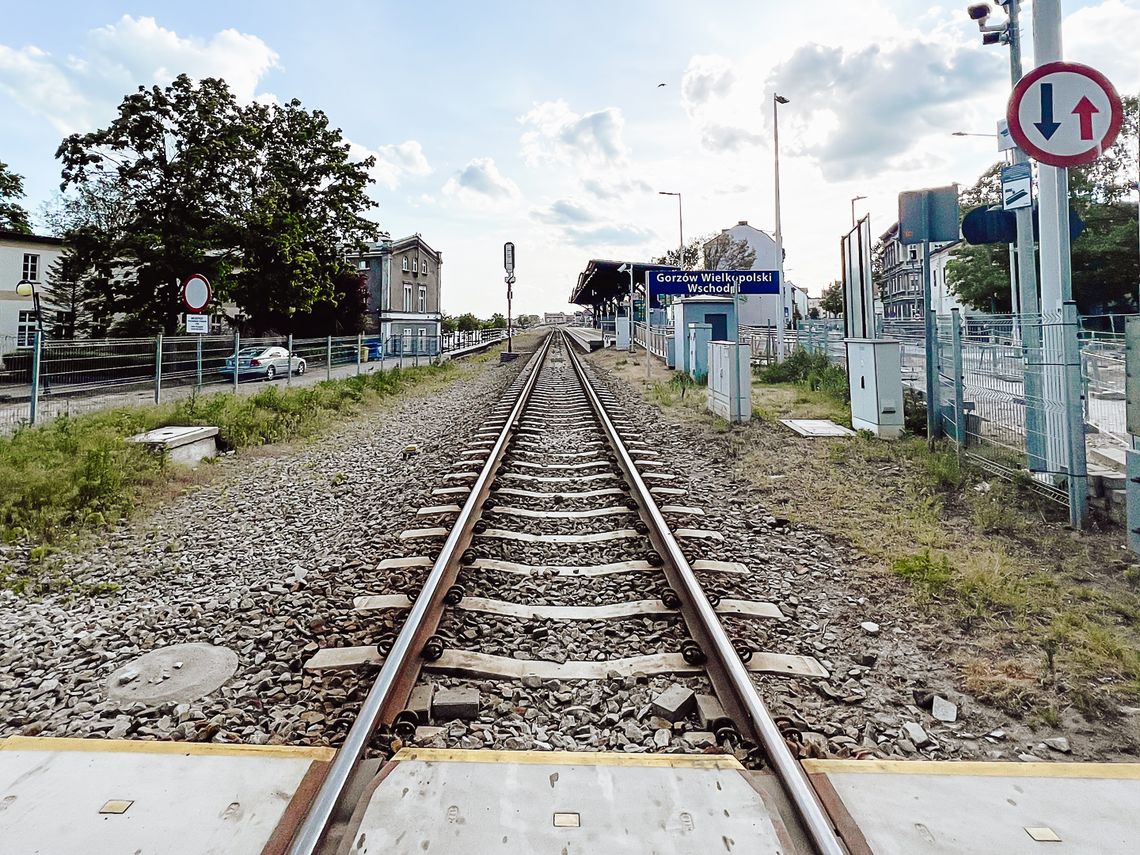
x,y
762,310
941,294
23,257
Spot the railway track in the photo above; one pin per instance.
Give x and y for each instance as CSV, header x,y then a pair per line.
x,y
562,562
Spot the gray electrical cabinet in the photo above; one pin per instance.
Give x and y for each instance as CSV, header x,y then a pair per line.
x,y
874,372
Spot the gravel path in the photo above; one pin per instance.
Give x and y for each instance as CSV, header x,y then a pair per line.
x,y
264,559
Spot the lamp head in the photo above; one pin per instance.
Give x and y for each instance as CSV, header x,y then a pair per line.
x,y
24,288
625,268
780,99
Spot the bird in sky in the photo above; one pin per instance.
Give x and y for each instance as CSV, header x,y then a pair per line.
x,y
659,85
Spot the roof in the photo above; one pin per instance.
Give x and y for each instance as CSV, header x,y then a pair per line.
x,y
601,281
6,235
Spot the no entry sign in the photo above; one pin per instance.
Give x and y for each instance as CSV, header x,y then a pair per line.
x,y
196,293
1064,114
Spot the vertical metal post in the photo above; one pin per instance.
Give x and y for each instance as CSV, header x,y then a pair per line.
x,y
631,329
959,379
158,368
237,349
1075,423
328,357
289,364
779,231
34,400
359,347
198,363
933,422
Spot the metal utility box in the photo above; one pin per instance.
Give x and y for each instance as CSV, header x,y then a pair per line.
x,y
875,375
716,312
699,337
621,327
730,390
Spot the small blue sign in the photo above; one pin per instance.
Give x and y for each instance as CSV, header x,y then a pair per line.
x,y
711,283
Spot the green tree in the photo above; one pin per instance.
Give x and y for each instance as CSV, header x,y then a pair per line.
x,y
174,154
692,255
495,322
832,299
724,253
448,324
306,199
1105,266
467,322
13,217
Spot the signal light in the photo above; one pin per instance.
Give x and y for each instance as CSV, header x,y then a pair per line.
x,y
992,38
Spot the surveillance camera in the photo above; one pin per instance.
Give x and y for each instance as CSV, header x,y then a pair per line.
x,y
978,11
993,38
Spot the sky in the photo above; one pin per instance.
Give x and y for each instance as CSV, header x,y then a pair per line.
x,y
546,124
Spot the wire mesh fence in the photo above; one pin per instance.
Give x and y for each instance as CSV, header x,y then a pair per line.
x,y
42,379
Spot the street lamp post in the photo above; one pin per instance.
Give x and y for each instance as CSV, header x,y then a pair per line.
x,y
853,201
777,100
680,228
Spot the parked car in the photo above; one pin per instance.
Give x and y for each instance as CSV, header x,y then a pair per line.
x,y
266,362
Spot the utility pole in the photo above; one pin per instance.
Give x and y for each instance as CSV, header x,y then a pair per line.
x,y
777,100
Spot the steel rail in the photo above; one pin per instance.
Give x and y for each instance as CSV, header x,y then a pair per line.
x,y
319,817
804,800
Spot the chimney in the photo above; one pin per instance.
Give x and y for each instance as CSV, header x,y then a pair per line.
x,y
742,222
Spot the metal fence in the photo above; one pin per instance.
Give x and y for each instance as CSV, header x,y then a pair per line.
x,y
999,380
51,378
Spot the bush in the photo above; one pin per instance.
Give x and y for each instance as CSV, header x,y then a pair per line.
x,y
813,370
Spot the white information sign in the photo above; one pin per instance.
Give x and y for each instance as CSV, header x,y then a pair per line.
x,y
198,324
1016,186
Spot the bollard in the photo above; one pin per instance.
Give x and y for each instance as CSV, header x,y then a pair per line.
x,y
289,370
34,402
328,357
158,368
237,347
359,347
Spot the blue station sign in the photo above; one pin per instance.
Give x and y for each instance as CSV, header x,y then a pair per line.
x,y
711,283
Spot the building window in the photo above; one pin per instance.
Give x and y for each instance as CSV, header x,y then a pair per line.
x,y
423,300
415,265
31,267
407,297
405,264
26,329
362,265
424,267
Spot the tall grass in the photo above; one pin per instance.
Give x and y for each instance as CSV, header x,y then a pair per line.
x,y
811,370
83,473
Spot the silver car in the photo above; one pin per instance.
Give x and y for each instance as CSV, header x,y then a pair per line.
x,y
265,362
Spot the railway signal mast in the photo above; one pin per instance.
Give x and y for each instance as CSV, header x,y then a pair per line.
x,y
509,266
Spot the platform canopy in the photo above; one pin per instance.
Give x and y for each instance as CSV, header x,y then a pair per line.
x,y
601,283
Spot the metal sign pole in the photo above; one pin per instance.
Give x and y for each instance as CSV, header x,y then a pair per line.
x,y
933,422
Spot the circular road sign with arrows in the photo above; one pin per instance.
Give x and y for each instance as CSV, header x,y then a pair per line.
x,y
1064,114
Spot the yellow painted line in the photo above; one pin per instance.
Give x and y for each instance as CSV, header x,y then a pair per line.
x,y
979,769
138,746
570,758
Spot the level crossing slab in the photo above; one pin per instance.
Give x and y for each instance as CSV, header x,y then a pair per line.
x,y
152,798
453,802
982,808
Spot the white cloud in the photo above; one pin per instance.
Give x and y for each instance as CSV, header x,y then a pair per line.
x,y
706,78
480,182
857,111
580,226
80,91
393,162
1104,37
615,189
557,134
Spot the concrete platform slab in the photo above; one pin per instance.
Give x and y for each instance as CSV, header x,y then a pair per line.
x,y
65,796
967,808
180,673
564,802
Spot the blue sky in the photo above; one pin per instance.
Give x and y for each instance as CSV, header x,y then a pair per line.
x,y
544,124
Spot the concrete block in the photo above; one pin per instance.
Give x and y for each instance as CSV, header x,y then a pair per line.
x,y
709,712
187,445
420,702
455,703
674,703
